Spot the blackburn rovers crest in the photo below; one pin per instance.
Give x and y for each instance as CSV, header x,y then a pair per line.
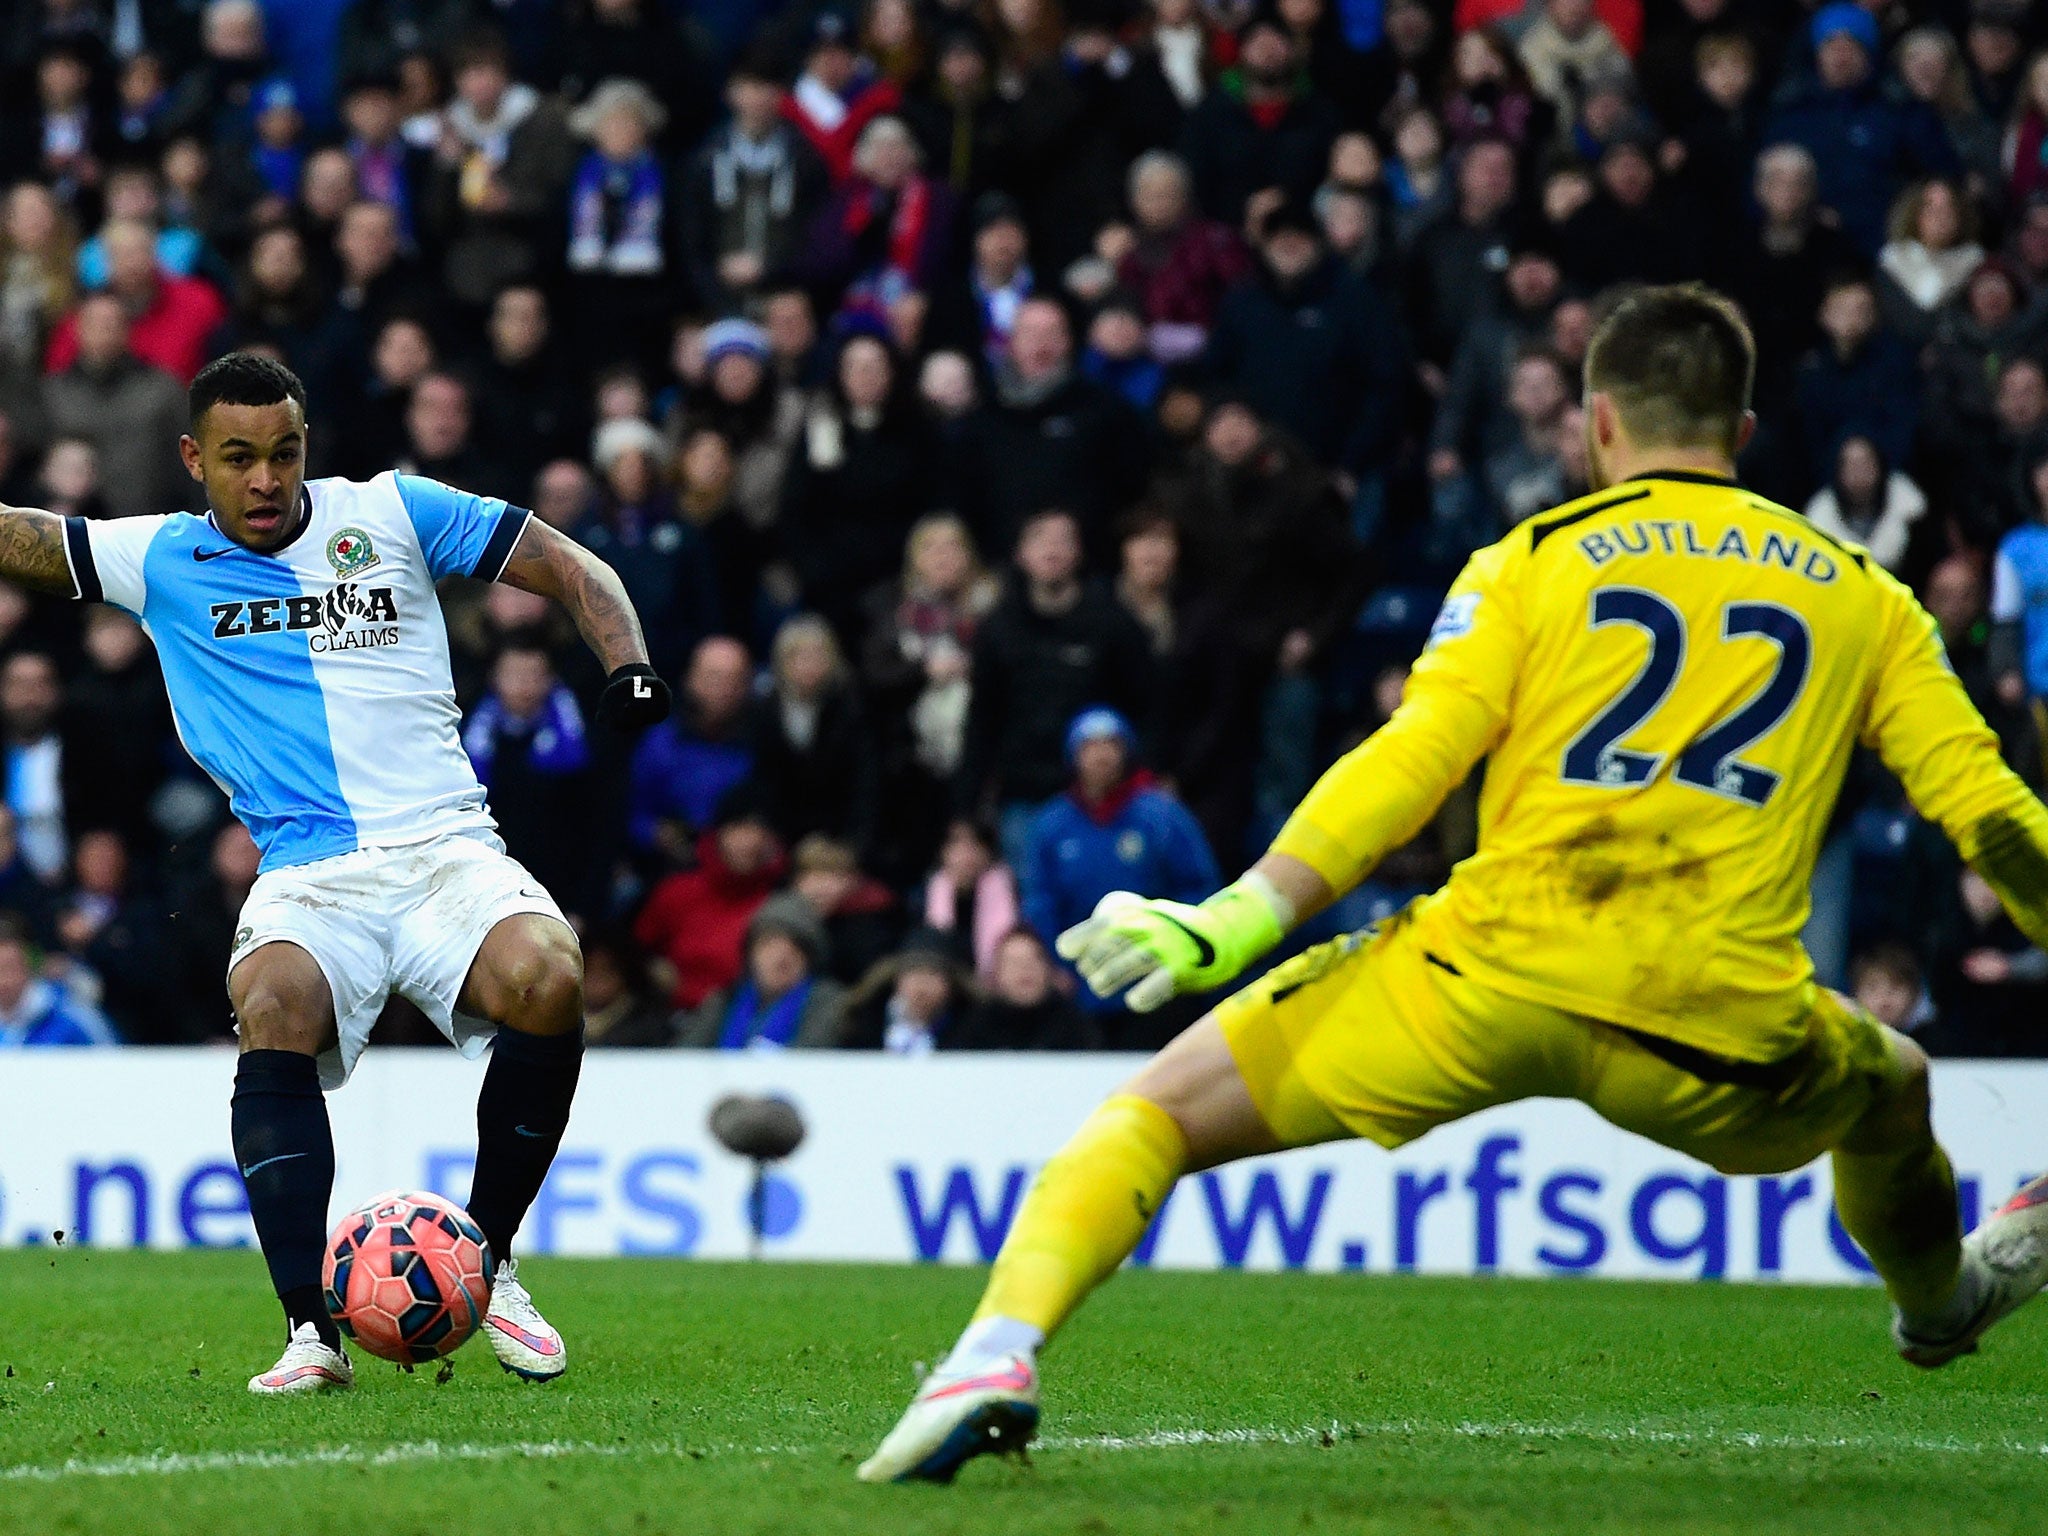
x,y
350,553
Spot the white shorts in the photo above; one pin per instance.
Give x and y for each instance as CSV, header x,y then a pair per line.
x,y
408,920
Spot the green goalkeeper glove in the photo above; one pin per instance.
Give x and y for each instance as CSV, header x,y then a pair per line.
x,y
1160,949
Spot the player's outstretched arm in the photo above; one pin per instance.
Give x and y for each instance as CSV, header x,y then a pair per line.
x,y
550,563
32,551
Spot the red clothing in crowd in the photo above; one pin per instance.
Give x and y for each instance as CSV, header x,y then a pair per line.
x,y
171,334
698,921
1624,18
834,133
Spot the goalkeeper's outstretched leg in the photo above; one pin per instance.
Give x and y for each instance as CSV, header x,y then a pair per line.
x,y
1188,1110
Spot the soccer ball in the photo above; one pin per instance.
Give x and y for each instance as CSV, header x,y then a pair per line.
x,y
408,1276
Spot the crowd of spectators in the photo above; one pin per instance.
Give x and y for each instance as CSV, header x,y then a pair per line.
x,y
1036,434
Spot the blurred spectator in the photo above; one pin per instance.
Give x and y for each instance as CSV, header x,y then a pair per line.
x,y
972,895
37,1012
1491,94
1316,352
439,442
1052,647
1526,474
1989,983
2019,602
977,314
132,193
620,206
960,123
684,768
281,305
1931,69
1453,262
1859,379
838,94
1048,438
502,166
857,482
861,917
1632,229
2028,151
915,665
758,414
531,748
118,937
37,274
780,1001
621,1005
1864,141
1147,580
1929,258
214,99
750,193
170,319
1994,42
1473,421
1264,543
31,701
1868,502
696,921
1261,129
69,480
663,562
1781,275
526,401
1116,355
63,139
389,171
116,722
131,413
812,761
1885,981
200,929
1025,1009
1178,263
375,280
882,239
912,1003
1113,830
1566,50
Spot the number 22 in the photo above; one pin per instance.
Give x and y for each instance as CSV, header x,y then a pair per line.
x,y
1709,762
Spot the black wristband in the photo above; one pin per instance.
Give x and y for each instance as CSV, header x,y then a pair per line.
x,y
634,696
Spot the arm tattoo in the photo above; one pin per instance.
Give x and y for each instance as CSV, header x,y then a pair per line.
x,y
546,562
32,551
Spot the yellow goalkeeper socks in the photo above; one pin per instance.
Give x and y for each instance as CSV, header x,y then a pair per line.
x,y
1901,1209
1086,1212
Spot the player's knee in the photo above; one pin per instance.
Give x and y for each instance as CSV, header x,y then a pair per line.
x,y
283,1013
543,987
1902,1109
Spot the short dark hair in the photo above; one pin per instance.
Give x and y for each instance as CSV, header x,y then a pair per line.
x,y
1679,363
242,378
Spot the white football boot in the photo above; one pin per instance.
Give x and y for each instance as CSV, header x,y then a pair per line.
x,y
991,1407
307,1365
525,1343
2010,1252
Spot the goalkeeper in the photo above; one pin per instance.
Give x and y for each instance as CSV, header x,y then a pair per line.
x,y
1667,678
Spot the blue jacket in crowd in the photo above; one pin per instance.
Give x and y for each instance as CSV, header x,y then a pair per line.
x,y
1865,143
1139,839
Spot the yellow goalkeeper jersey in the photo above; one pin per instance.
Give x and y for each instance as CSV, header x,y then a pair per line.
x,y
1668,677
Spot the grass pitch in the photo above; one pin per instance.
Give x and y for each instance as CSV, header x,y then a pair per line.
x,y
731,1399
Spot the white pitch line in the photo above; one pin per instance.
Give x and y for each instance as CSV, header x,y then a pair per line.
x,y
168,1464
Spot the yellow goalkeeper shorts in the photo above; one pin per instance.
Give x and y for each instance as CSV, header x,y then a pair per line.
x,y
1373,1035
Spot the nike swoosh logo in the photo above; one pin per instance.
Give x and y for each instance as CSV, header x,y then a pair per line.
x,y
1016,1379
210,554
282,1157
520,1130
1205,952
533,1342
